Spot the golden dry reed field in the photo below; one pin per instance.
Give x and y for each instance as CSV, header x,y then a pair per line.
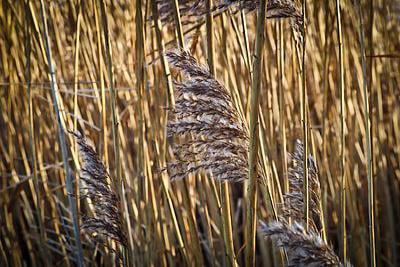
x,y
199,133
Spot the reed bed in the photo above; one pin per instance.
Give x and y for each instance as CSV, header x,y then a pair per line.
x,y
193,109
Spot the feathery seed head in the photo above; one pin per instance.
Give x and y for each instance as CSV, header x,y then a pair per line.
x,y
294,202
303,249
213,136
195,11
106,221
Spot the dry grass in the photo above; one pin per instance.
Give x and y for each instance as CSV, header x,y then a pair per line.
x,y
102,68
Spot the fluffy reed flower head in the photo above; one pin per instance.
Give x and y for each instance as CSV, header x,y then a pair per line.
x,y
195,11
294,199
275,8
213,137
191,10
106,221
303,248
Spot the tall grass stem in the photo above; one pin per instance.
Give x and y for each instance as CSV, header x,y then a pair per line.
x,y
371,204
61,136
254,142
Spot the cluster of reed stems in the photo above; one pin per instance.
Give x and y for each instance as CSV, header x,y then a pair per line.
x,y
193,107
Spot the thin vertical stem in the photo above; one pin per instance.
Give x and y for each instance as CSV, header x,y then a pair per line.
x,y
224,187
343,243
246,41
140,54
371,207
280,59
254,142
193,229
373,126
107,43
28,50
61,136
114,128
102,87
305,121
178,23
210,37
325,82
140,72
227,224
325,120
160,43
76,63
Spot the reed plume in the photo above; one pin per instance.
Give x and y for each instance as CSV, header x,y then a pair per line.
x,y
214,137
106,221
196,11
190,10
294,199
304,248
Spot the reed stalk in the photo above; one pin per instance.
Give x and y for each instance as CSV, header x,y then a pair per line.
x,y
178,24
140,53
210,37
76,62
161,49
254,142
102,85
282,105
305,118
371,189
343,242
32,139
224,192
246,41
223,198
114,119
326,56
61,136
